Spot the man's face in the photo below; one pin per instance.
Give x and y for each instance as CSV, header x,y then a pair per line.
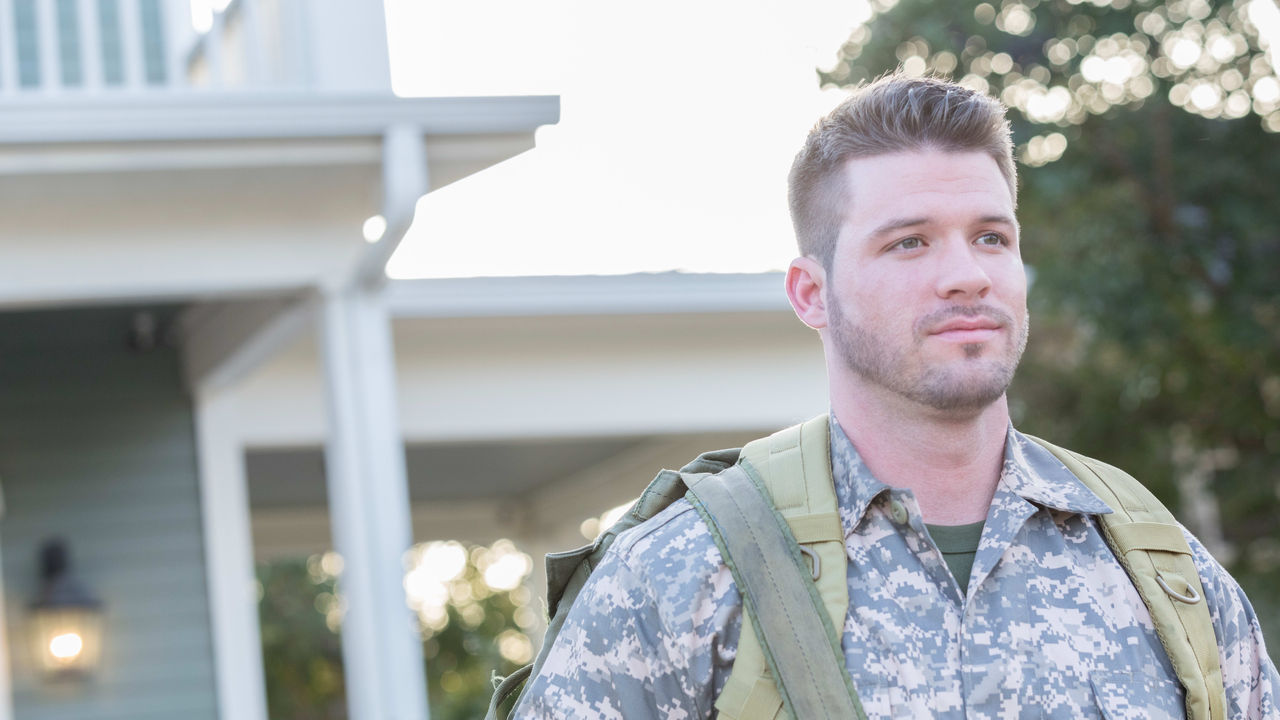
x,y
926,293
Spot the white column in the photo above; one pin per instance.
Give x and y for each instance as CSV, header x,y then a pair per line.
x,y
228,543
6,674
292,35
8,50
135,74
179,39
360,29
213,45
369,509
90,45
255,68
47,40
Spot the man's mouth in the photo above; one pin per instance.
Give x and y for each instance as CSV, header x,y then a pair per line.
x,y
967,329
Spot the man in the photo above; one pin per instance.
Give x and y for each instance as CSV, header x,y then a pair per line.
x,y
980,584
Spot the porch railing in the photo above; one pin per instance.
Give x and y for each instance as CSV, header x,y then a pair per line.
x,y
89,47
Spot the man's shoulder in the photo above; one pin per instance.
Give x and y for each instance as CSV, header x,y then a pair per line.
x,y
654,628
674,562
677,531
1249,678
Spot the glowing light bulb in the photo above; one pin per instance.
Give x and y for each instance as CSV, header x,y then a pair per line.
x,y
66,646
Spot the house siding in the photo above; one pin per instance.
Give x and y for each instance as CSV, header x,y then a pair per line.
x,y
97,446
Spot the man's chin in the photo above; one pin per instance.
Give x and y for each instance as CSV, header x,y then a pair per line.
x,y
963,395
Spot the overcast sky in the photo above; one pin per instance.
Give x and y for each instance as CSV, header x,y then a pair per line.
x,y
678,124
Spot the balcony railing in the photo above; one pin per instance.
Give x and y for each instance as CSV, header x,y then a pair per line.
x,y
89,47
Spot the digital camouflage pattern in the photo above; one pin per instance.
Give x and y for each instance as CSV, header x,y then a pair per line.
x,y
1051,627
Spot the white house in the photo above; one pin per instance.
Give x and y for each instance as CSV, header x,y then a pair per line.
x,y
203,363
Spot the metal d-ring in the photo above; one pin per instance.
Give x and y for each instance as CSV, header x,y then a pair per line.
x,y
817,566
1191,599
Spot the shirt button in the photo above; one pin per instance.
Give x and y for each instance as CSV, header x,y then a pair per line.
x,y
898,512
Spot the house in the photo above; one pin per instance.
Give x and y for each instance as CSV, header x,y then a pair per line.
x,y
203,364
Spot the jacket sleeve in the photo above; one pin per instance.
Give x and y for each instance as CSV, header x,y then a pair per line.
x,y
647,637
1248,673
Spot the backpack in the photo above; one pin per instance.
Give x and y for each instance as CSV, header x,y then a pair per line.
x,y
772,510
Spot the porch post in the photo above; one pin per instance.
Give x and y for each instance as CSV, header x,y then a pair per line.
x,y
369,509
228,543
6,674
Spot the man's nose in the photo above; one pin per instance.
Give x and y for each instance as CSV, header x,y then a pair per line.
x,y
961,273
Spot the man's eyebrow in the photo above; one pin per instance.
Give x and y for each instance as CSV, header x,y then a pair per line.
x,y
905,222
1005,219
897,224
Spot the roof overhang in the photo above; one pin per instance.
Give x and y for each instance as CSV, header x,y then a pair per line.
x,y
211,116
205,130
185,196
638,294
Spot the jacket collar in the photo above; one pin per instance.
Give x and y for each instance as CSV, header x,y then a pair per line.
x,y
1035,474
1029,471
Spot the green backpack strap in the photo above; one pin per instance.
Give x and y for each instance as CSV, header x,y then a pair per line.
x,y
800,645
794,468
567,572
1149,543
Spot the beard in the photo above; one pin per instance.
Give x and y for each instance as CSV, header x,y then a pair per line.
x,y
957,389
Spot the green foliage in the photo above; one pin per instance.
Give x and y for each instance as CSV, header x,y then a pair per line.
x,y
302,657
1151,230
466,634
1061,62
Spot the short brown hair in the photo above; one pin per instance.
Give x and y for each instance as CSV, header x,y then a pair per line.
x,y
893,114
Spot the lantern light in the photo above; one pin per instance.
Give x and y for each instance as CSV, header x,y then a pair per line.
x,y
66,619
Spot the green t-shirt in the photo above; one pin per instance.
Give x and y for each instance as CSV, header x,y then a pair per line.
x,y
958,543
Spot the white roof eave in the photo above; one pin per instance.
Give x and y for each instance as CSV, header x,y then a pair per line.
x,y
637,294
194,116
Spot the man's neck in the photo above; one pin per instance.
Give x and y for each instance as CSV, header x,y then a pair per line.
x,y
951,463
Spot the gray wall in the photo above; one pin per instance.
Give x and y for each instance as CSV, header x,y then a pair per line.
x,y
97,446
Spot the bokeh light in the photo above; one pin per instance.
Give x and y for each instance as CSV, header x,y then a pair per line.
x,y
1214,60
438,579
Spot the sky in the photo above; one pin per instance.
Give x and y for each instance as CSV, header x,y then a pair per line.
x,y
678,124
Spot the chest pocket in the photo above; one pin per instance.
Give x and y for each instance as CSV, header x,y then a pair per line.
x,y
1136,696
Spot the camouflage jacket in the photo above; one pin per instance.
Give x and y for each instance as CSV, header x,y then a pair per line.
x,y
1051,626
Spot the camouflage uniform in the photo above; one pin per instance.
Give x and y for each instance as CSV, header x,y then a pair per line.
x,y
1051,627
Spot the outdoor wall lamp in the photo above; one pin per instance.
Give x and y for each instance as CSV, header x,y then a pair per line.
x,y
66,620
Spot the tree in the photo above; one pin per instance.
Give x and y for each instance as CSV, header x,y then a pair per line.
x,y
473,610
1147,135
301,650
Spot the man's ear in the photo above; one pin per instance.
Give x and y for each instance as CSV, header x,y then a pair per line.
x,y
806,279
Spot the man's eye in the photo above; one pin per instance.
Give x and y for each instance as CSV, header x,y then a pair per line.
x,y
911,243
991,239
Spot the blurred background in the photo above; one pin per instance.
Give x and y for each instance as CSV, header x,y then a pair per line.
x,y
320,323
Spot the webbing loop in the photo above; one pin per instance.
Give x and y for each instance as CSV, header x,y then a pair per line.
x,y
1191,599
817,562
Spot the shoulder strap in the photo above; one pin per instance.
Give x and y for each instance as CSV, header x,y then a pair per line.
x,y
800,646
794,468
1149,543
